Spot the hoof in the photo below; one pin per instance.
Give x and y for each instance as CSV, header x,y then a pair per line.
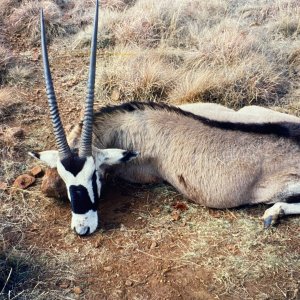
x,y
268,222
272,218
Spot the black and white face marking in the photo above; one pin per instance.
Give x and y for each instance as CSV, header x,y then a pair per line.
x,y
83,186
83,183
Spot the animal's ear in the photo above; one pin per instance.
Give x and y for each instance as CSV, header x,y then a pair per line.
x,y
49,157
113,156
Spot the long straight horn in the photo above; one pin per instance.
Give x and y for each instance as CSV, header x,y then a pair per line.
x,y
87,130
59,133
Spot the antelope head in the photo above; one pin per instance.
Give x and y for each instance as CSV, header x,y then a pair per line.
x,y
79,168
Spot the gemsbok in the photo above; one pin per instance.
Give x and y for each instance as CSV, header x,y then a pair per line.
x,y
219,164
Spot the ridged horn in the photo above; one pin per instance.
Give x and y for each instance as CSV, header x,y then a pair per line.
x,y
59,133
85,148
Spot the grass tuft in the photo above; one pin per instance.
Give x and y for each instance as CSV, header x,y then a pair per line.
x,y
6,58
24,21
136,75
21,75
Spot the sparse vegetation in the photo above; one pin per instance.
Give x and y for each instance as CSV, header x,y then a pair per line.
x,y
24,20
6,59
230,52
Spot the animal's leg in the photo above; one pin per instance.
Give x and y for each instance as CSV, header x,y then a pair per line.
x,y
272,214
281,207
138,173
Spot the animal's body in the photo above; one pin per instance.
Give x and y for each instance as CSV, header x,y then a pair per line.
x,y
218,164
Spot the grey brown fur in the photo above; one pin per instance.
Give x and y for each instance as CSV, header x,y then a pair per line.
x,y
216,164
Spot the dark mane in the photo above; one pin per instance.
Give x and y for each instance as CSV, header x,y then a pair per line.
x,y
280,129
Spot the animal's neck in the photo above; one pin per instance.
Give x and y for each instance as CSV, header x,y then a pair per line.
x,y
139,130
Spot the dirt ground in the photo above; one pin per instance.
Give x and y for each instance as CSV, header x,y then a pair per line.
x,y
152,243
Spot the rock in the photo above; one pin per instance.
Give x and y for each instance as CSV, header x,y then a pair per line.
x,y
3,186
64,284
128,282
122,227
108,269
175,215
77,290
23,181
153,245
36,171
98,243
53,185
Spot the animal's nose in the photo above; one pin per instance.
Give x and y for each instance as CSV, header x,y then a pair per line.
x,y
82,230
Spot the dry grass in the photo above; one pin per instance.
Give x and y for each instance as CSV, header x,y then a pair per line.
x,y
232,54
7,7
132,73
24,74
6,58
61,17
8,102
243,251
24,20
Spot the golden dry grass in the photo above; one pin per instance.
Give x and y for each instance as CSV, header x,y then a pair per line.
x,y
25,20
222,55
6,58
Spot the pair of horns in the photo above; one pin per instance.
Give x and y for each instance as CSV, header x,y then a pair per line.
x,y
85,148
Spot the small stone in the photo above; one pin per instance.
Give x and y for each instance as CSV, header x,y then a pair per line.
x,y
36,171
122,227
64,284
35,55
23,181
128,282
175,215
108,269
3,186
153,245
115,95
77,290
98,243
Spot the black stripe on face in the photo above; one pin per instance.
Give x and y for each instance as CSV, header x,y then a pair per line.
x,y
80,200
95,189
